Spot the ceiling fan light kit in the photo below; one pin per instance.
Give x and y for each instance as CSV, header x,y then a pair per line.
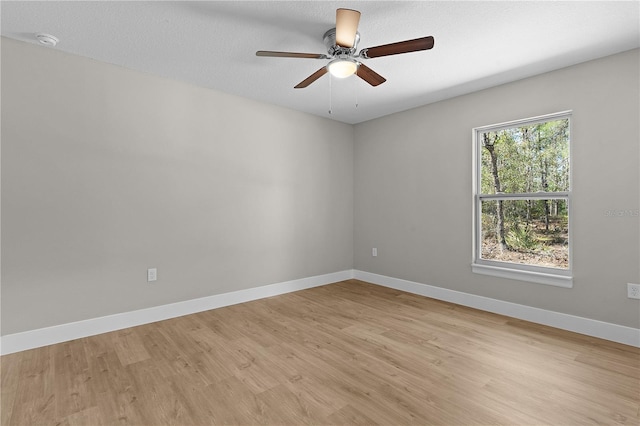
x,y
342,43
342,68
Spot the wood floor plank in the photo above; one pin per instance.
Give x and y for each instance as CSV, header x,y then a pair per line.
x,y
243,406
34,400
73,390
89,416
289,405
349,415
170,356
347,353
201,351
116,397
9,380
157,398
129,346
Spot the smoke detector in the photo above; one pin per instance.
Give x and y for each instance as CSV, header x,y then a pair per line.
x,y
47,39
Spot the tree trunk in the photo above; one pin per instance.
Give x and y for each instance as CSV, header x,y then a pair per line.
x,y
544,171
545,186
489,145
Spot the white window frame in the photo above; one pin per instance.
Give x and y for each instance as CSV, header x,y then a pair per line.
x,y
523,272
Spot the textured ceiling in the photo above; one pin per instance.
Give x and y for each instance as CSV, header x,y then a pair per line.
x,y
212,44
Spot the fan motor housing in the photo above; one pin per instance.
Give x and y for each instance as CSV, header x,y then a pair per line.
x,y
329,40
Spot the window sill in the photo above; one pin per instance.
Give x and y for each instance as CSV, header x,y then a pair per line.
x,y
516,274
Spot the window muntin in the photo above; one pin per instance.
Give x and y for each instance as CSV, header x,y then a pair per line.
x,y
522,191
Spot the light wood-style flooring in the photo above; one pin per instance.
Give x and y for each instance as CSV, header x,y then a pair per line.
x,y
345,353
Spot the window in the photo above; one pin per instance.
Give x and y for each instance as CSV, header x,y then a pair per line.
x,y
522,200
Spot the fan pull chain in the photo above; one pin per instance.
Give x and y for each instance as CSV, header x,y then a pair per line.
x,y
356,85
330,108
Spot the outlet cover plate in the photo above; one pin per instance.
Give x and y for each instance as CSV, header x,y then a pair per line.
x,y
152,274
633,291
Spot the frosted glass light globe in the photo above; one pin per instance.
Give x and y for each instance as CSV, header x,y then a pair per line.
x,y
342,68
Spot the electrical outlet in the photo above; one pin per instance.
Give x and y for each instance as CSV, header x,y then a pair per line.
x,y
633,291
374,252
152,274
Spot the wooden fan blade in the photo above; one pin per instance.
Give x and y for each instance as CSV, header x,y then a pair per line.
x,y
313,77
369,75
346,27
290,54
407,46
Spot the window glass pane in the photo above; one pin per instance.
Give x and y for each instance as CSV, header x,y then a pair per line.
x,y
527,158
532,232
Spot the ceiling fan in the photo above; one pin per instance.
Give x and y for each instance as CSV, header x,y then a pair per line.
x,y
342,43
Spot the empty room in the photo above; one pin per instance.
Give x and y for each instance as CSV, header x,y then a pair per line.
x,y
318,212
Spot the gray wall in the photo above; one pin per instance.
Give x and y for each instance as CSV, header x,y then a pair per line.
x,y
107,171
413,188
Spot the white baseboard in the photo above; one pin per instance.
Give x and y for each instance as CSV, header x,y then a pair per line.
x,y
61,333
604,330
